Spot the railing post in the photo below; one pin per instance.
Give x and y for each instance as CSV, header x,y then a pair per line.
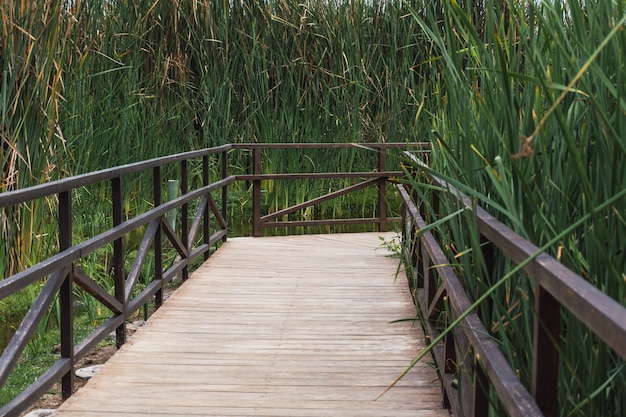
x,y
430,289
411,252
545,352
450,357
172,193
184,221
480,398
435,203
481,390
488,255
415,243
65,294
206,230
256,193
118,257
225,191
415,257
382,190
158,243
424,269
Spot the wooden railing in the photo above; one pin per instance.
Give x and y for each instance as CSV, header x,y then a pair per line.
x,y
377,176
62,271
470,345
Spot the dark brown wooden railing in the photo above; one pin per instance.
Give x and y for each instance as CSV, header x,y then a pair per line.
x,y
61,271
197,235
470,345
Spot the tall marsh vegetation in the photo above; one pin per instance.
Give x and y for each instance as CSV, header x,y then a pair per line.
x,y
527,115
523,102
92,84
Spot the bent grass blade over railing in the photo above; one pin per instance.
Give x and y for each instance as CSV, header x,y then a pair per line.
x,y
607,321
500,71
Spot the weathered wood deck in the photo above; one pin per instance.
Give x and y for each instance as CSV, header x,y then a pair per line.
x,y
286,326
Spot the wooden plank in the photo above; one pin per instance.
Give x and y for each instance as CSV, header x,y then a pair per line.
x,y
286,326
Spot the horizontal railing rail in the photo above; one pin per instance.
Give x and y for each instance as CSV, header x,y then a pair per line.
x,y
14,197
470,343
62,272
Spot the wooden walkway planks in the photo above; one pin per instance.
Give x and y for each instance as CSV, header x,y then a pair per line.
x,y
285,326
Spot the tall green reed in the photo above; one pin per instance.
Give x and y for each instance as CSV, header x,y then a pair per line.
x,y
526,114
33,54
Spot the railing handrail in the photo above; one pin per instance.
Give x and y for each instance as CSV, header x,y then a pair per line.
x,y
63,272
556,286
23,195
345,145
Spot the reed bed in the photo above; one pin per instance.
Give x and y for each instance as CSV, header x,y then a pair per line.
x,y
523,102
526,113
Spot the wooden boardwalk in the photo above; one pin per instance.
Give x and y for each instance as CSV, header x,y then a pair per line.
x,y
285,326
